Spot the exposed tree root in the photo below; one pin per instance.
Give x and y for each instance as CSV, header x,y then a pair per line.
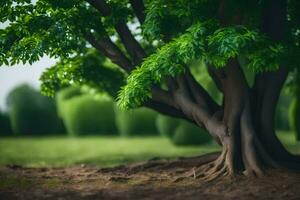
x,y
254,157
208,171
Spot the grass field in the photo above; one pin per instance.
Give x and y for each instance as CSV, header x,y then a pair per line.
x,y
100,151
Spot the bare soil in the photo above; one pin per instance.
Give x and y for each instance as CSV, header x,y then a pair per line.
x,y
154,179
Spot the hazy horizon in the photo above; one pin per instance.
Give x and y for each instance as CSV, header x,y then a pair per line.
x,y
12,76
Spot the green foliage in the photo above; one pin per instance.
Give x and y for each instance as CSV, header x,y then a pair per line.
x,y
87,114
180,132
206,41
167,19
294,110
282,116
190,134
44,28
137,122
120,12
166,126
166,62
65,94
230,42
5,128
88,69
32,114
294,117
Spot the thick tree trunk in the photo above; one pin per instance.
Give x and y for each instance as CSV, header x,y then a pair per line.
x,y
266,93
244,126
241,148
245,129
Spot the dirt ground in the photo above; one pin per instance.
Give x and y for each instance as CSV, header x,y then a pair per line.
x,y
155,179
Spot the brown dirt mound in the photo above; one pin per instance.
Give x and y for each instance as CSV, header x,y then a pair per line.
x,y
155,179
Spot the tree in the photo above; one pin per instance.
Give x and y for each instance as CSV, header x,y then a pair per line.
x,y
30,113
152,43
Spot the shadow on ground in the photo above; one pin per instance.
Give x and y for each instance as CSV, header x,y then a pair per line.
x,y
155,179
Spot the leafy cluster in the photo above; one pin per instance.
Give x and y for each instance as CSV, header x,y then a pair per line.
x,y
53,28
229,42
184,31
167,19
89,69
206,41
167,61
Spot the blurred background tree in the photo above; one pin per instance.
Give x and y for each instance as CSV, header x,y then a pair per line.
x,y
85,114
181,132
294,109
31,113
137,122
5,126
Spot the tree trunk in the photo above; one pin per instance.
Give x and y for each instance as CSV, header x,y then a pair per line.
x,y
245,127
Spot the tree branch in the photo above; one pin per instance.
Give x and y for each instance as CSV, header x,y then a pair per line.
x,y
134,49
161,95
167,110
110,50
139,9
200,114
101,6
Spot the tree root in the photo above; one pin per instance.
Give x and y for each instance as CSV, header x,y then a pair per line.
x,y
222,166
209,171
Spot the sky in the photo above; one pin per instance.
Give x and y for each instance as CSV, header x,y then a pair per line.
x,y
11,76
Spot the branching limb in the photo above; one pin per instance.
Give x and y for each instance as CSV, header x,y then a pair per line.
x,y
161,95
200,114
134,49
139,9
110,50
166,109
267,89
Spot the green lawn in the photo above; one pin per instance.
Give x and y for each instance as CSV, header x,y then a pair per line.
x,y
100,151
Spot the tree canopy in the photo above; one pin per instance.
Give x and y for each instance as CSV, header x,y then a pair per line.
x,y
173,33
